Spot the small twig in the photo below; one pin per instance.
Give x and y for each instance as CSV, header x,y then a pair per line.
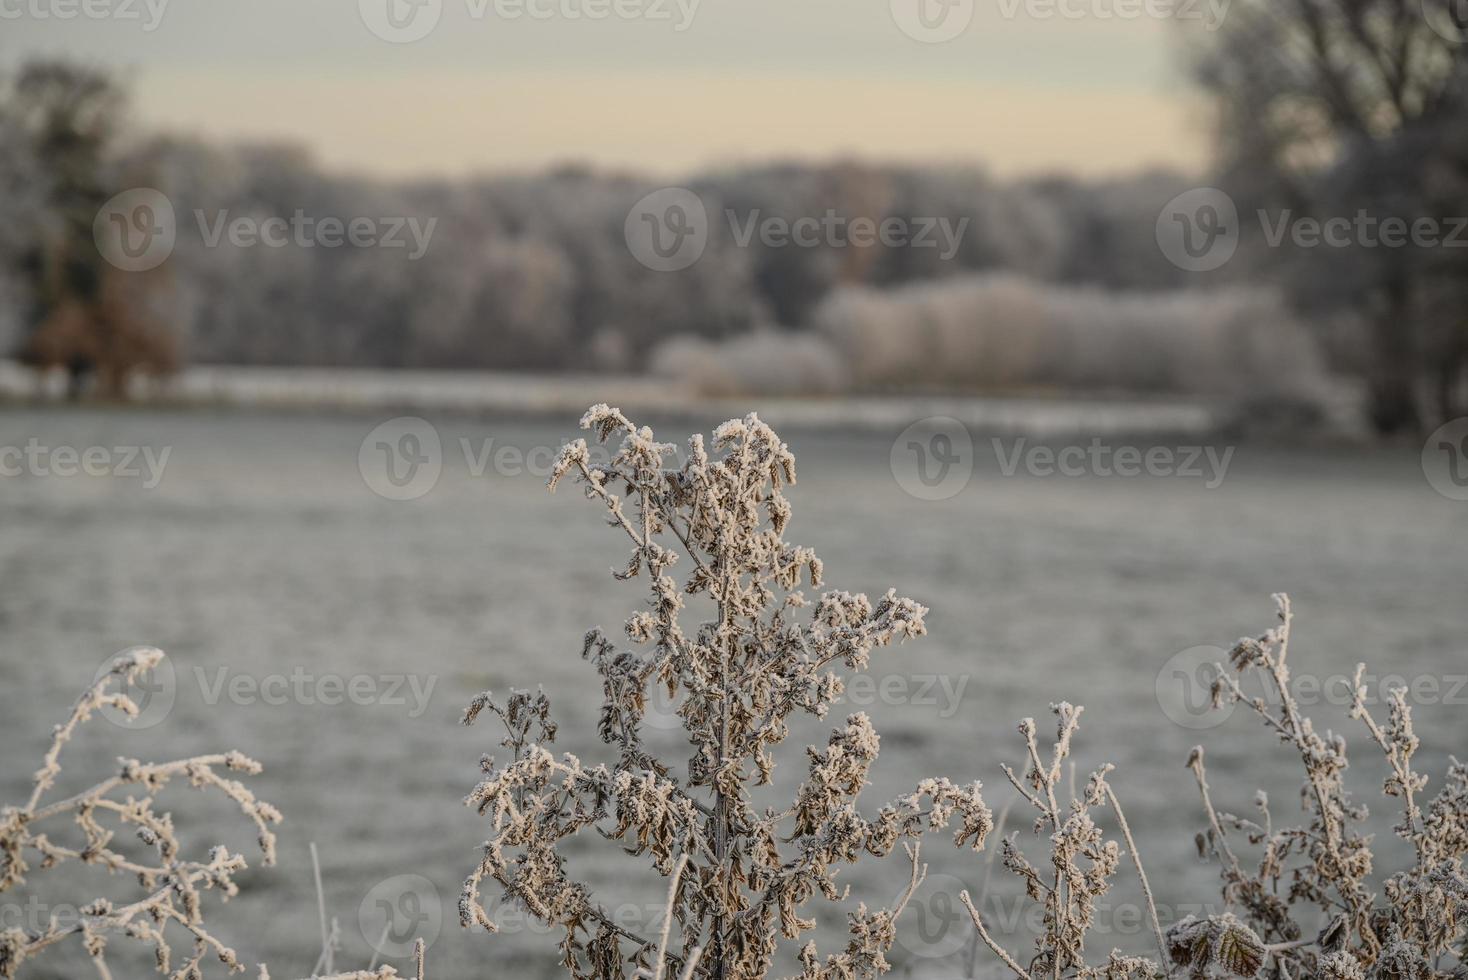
x,y
973,954
668,918
999,951
692,963
1126,832
1195,763
327,962
377,949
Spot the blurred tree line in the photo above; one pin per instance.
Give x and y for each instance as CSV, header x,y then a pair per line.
x,y
1324,107
524,272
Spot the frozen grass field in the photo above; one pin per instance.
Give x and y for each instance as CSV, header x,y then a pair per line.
x,y
263,554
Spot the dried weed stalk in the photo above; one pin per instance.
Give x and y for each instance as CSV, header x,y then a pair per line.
x,y
1307,909
1310,894
173,885
767,654
1081,864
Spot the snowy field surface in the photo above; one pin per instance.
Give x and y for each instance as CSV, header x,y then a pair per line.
x,y
267,567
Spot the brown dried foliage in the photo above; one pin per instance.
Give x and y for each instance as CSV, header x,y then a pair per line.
x,y
767,654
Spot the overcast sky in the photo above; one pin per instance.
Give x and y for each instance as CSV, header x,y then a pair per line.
x,y
666,86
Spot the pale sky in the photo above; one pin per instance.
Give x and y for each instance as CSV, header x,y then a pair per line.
x,y
666,87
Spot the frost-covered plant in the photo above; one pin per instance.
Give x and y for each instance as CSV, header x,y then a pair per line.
x,y
173,886
767,654
1308,908
1310,894
1079,873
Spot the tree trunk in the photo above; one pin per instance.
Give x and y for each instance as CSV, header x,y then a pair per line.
x,y
1393,376
1450,401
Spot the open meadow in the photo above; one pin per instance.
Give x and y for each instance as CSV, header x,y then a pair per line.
x,y
336,636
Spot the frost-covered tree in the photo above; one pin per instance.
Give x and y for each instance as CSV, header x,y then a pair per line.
x,y
1339,108
21,192
767,654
